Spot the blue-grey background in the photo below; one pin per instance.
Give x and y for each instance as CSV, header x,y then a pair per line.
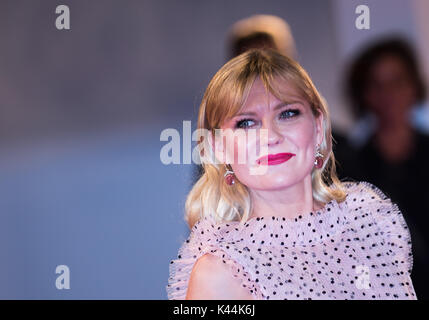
x,y
81,112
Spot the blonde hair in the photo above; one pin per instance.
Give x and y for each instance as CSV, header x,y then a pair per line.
x,y
223,99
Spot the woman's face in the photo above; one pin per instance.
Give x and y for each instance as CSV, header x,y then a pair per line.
x,y
390,91
290,127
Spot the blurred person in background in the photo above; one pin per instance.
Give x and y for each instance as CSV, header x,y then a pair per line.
x,y
261,31
386,89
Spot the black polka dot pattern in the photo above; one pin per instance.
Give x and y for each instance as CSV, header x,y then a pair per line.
x,y
356,249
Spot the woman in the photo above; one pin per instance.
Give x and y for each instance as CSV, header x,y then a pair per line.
x,y
292,230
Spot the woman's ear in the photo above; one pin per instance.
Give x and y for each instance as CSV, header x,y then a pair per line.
x,y
319,129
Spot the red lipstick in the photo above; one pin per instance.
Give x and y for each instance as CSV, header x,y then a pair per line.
x,y
273,159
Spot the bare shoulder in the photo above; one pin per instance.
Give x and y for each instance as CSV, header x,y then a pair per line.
x,y
211,279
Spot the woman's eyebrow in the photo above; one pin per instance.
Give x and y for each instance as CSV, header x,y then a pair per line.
x,y
278,106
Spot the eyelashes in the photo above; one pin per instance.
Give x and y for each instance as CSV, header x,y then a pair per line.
x,y
285,115
296,112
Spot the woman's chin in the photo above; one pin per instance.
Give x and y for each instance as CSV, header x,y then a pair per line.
x,y
270,183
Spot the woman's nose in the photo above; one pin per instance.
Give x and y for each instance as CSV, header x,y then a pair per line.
x,y
274,136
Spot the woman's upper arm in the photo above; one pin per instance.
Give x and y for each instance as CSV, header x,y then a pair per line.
x,y
211,279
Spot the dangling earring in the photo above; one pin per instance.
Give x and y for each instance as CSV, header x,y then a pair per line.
x,y
318,163
229,177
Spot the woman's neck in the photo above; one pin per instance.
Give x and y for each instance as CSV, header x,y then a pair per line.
x,y
287,203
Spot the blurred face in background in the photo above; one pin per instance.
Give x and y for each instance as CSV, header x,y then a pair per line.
x,y
390,92
291,128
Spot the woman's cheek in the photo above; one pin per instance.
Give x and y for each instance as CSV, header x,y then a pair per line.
x,y
303,134
240,151
254,144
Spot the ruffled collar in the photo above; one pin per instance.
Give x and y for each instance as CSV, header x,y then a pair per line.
x,y
307,229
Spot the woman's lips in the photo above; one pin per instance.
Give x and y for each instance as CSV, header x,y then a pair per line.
x,y
273,159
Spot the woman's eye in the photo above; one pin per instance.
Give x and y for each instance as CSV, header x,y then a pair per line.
x,y
290,113
243,123
247,123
